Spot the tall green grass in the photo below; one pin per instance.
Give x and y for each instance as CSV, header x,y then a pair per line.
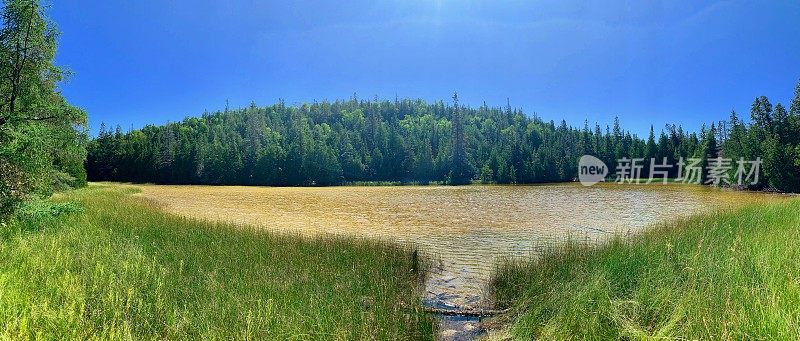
x,y
726,275
119,268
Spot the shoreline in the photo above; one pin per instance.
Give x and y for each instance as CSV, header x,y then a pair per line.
x,y
730,238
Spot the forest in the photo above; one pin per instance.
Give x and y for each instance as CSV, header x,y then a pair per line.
x,y
411,141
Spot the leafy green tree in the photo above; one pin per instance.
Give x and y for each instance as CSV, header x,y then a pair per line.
x,y
42,137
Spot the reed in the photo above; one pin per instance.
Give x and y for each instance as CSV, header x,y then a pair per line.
x,y
119,268
725,275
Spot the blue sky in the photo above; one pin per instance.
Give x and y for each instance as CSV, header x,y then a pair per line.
x,y
688,62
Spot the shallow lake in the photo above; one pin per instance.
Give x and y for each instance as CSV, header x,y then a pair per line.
x,y
466,229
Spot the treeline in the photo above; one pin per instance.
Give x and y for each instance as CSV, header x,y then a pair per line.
x,y
349,141
414,141
772,134
42,137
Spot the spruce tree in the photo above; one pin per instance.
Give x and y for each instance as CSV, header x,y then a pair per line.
x,y
460,173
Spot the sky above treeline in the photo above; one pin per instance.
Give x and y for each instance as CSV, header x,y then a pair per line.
x,y
648,62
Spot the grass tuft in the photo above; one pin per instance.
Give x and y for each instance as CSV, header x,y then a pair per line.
x,y
120,268
726,275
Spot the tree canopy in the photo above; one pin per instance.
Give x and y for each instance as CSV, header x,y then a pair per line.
x,y
42,137
356,140
329,143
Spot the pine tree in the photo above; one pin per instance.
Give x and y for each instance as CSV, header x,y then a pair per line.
x,y
460,173
794,114
651,150
794,118
779,165
708,149
424,163
734,147
761,114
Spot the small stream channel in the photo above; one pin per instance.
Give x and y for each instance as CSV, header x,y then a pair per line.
x,y
453,308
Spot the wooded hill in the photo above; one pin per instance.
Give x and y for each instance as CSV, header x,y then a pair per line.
x,y
407,140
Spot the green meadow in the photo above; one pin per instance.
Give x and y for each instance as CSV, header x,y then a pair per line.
x,y
99,263
731,274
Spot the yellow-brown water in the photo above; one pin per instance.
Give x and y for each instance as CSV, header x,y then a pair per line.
x,y
468,229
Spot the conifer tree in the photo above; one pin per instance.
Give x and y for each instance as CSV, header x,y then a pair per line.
x,y
460,173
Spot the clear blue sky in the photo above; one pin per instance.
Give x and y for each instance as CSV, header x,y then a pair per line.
x,y
687,62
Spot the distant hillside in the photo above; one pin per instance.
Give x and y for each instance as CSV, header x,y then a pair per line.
x,y
378,140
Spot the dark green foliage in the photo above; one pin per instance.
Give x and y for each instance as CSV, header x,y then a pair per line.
x,y
39,210
412,141
772,135
461,173
365,141
708,149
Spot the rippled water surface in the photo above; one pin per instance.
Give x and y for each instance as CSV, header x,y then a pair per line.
x,y
468,229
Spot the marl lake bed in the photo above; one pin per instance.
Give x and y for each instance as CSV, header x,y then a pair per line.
x,y
465,230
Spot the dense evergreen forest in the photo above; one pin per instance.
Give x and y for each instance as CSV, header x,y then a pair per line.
x,y
42,137
355,140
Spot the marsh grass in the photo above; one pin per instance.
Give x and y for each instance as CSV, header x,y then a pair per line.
x,y
120,268
727,275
